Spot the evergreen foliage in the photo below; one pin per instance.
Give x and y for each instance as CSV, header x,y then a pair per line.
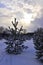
x,y
38,42
15,41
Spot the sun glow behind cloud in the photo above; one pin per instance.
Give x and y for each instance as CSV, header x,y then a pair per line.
x,y
26,21
28,17
26,11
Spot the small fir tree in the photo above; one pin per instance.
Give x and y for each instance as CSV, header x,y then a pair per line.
x,y
38,42
16,39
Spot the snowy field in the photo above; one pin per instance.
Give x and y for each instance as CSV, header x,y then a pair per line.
x,y
26,58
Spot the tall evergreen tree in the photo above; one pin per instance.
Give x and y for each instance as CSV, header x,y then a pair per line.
x,y
15,42
38,42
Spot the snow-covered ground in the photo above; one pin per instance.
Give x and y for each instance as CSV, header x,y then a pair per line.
x,y
26,58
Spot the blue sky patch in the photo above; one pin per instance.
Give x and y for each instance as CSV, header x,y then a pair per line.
x,y
2,5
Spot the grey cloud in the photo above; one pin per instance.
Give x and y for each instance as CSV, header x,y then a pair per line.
x,y
20,5
32,2
3,15
37,23
42,11
27,10
19,15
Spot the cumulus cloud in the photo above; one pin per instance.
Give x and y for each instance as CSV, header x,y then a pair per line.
x,y
16,8
37,23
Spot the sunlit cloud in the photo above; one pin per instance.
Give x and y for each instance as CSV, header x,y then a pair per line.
x,y
28,12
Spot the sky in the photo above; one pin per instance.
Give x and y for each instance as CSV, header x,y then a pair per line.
x,y
29,13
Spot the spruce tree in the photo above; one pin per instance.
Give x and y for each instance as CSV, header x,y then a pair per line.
x,y
16,39
38,42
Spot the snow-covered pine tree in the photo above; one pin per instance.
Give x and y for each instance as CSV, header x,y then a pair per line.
x,y
16,39
38,42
